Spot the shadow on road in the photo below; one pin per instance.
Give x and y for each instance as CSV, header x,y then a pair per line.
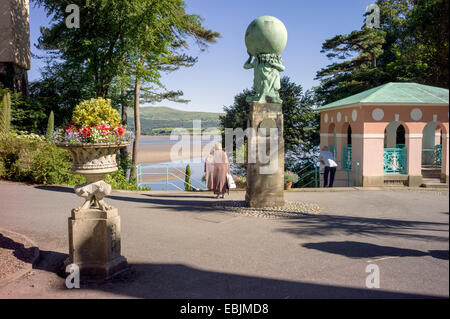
x,y
62,189
19,250
353,249
178,281
308,226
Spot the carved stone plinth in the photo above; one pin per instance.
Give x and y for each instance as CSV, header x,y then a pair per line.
x,y
94,243
265,178
94,227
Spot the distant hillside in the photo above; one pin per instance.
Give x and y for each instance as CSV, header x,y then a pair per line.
x,y
158,120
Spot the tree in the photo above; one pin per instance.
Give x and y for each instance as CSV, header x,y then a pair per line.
x,y
410,46
50,127
187,179
5,114
301,120
122,47
422,54
341,79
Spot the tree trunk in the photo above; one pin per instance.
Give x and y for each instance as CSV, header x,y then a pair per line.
x,y
137,126
124,150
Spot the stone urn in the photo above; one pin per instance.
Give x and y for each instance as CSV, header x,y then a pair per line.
x,y
94,226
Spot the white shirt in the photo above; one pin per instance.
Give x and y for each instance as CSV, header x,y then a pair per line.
x,y
328,158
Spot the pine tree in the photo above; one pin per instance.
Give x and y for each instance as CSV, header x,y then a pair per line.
x,y
50,127
187,180
342,79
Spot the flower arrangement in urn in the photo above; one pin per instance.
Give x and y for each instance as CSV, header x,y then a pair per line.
x,y
289,179
93,121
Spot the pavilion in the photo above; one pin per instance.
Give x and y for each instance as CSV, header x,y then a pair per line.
x,y
396,133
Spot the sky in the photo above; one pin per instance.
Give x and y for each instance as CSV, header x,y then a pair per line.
x,y
219,74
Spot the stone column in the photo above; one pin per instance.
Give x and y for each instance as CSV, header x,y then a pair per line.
x,y
414,155
444,159
265,178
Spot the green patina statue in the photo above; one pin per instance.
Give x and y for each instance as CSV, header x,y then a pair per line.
x,y
265,39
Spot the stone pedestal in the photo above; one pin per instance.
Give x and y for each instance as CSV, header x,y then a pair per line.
x,y
265,179
94,243
94,227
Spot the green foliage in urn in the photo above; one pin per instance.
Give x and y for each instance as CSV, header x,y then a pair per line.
x,y
95,112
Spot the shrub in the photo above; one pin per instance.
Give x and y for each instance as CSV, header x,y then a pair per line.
x,y
118,180
5,114
50,127
187,184
30,158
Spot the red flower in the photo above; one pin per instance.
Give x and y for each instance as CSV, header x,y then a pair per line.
x,y
120,130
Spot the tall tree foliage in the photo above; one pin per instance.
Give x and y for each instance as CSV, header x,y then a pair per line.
x,y
410,45
122,47
348,77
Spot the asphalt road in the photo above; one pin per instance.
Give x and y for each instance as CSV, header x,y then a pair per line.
x,y
180,246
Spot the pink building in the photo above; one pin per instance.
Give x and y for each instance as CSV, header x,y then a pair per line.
x,y
396,133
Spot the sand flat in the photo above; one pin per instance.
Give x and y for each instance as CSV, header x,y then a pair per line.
x,y
156,149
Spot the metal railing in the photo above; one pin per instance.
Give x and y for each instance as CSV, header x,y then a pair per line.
x,y
313,172
169,173
394,161
432,156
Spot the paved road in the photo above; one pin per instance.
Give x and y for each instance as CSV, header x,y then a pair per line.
x,y
179,246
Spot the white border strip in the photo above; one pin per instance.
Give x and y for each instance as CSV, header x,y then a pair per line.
x,y
367,135
414,135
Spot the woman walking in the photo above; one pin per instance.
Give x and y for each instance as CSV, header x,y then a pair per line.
x,y
221,168
209,170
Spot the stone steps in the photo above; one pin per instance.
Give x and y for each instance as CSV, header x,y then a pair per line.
x,y
433,183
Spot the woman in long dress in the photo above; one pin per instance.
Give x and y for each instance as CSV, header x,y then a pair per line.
x,y
221,168
209,170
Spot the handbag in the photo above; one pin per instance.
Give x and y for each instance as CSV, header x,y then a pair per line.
x,y
230,181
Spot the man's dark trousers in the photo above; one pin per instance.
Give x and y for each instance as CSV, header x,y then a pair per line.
x,y
331,171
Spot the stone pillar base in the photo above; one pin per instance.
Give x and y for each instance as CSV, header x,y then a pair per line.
x,y
414,180
94,243
368,181
444,178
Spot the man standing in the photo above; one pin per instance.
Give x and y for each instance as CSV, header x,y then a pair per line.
x,y
327,159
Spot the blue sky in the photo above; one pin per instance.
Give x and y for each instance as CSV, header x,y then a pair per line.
x,y
218,76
